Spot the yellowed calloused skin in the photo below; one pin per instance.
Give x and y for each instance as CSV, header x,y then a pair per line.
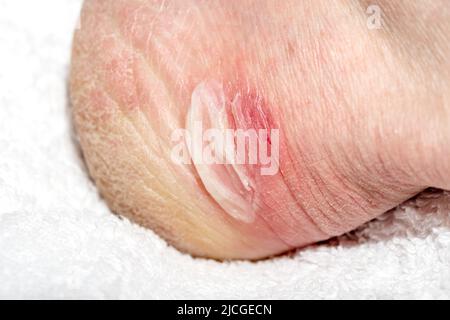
x,y
363,112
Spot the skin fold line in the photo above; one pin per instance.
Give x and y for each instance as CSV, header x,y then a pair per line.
x,y
231,141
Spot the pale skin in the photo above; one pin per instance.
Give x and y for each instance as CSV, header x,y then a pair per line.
x,y
364,114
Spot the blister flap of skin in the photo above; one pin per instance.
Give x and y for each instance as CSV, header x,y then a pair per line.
x,y
229,183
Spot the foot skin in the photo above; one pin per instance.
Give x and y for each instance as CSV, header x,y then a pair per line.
x,y
346,100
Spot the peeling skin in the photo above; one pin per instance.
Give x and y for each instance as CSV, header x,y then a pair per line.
x,y
232,181
229,184
240,189
143,69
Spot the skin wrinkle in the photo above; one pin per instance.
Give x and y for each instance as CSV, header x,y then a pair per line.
x,y
367,186
296,199
346,157
328,219
291,214
361,203
326,116
277,233
294,195
341,181
363,186
318,181
288,245
302,208
311,217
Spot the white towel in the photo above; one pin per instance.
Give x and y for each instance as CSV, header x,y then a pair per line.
x,y
59,240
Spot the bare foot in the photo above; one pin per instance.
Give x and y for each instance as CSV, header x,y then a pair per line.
x,y
362,115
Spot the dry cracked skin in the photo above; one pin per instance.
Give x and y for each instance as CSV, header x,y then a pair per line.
x,y
361,114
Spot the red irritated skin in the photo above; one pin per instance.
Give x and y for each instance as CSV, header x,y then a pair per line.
x,y
316,93
252,191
